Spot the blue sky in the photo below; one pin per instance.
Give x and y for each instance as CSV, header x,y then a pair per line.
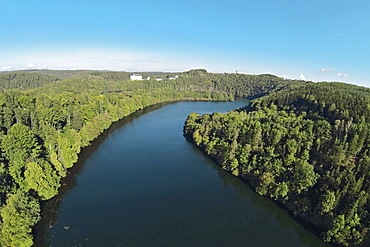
x,y
317,40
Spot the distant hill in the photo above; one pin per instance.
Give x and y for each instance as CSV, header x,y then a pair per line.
x,y
60,74
27,79
24,80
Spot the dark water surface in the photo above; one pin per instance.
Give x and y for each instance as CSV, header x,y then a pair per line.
x,y
142,184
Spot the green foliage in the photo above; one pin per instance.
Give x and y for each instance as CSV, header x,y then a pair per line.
x,y
268,144
241,85
19,214
20,146
306,146
24,80
69,145
41,177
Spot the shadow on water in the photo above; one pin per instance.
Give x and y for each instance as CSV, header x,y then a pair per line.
x,y
50,208
283,216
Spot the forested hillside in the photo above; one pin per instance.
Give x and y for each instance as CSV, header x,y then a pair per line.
x,y
43,128
237,84
27,79
306,147
24,80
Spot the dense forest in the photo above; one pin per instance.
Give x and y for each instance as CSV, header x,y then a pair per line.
x,y
46,117
307,147
24,80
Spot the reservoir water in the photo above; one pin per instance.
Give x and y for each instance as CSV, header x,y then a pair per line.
x,y
143,184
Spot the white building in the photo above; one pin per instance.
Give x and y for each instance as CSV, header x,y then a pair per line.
x,y
169,78
136,77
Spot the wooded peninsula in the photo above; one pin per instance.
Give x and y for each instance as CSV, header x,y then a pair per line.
x,y
303,144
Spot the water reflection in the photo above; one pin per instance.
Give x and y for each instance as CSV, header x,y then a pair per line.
x,y
50,208
286,221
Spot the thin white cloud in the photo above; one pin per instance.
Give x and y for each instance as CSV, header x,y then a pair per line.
x,y
342,74
324,70
129,60
7,67
302,77
119,60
